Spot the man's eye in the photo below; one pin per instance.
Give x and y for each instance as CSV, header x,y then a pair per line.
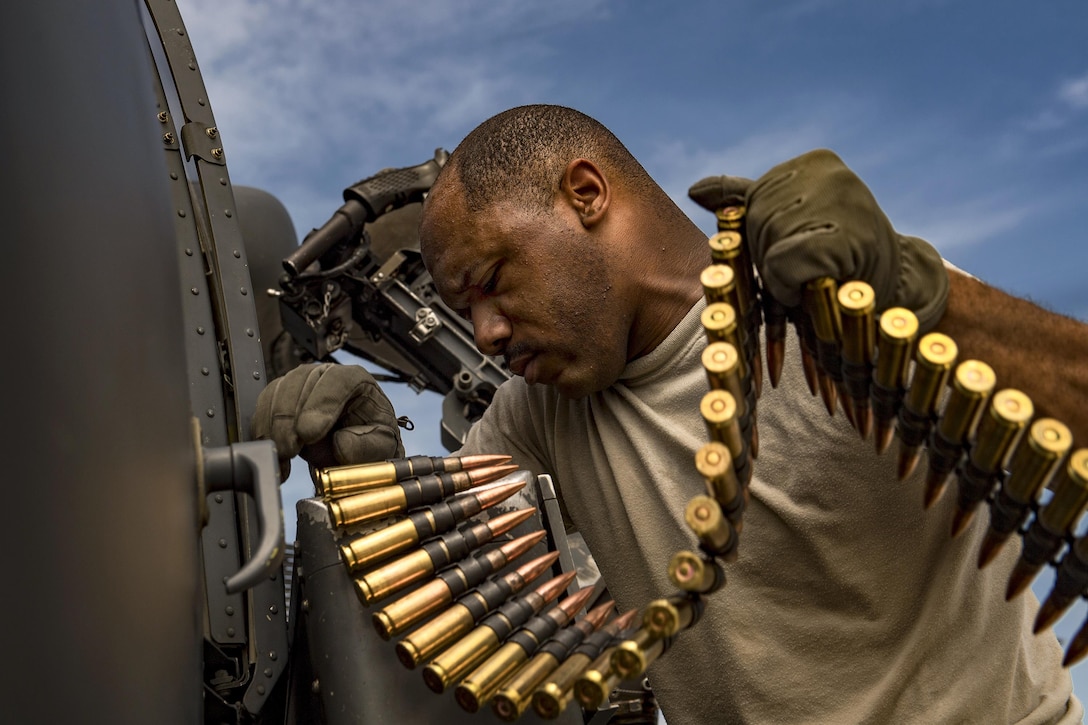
x,y
491,283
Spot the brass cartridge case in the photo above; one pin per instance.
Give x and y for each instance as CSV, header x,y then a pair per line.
x,y
719,320
436,594
671,615
463,656
377,546
898,328
721,361
715,533
553,696
633,656
715,464
376,503
416,565
719,285
1063,511
691,572
592,687
453,623
467,653
998,427
819,300
1054,523
719,409
1035,459
727,247
971,385
485,680
344,480
857,306
482,683
514,697
936,354
1008,413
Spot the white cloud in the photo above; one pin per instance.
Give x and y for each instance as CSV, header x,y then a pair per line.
x,y
1074,92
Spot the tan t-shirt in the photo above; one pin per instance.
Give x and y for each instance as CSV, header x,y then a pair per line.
x,y
848,603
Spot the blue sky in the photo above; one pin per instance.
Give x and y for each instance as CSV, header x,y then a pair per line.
x,y
969,120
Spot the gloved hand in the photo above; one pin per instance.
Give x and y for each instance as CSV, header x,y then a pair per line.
x,y
329,414
812,217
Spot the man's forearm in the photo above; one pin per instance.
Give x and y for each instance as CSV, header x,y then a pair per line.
x,y
1041,353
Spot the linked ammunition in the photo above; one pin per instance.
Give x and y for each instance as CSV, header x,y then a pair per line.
x,y
514,696
697,574
432,555
721,361
634,656
895,342
343,480
719,320
369,549
715,532
469,651
1033,462
732,219
553,696
449,583
819,302
480,685
857,306
671,615
715,465
720,286
935,357
422,491
592,686
727,247
457,621
1000,424
1071,580
971,385
719,409
1054,523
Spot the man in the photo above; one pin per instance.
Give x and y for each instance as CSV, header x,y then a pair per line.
x,y
847,602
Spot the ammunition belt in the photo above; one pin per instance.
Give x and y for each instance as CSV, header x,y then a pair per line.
x,y
493,639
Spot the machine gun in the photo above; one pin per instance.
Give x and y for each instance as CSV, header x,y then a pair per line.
x,y
370,295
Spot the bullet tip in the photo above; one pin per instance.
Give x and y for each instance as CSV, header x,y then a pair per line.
x,y
1019,579
934,487
864,418
775,355
1076,651
960,519
991,545
908,459
882,438
1048,614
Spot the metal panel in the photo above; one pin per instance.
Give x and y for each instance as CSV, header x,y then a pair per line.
x,y
101,578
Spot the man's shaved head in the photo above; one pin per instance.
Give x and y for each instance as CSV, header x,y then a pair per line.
x,y
521,154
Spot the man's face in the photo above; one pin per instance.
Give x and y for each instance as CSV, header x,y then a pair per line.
x,y
537,287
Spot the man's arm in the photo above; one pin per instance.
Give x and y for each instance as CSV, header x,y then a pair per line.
x,y
1041,353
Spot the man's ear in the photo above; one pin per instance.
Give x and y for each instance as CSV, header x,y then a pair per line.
x,y
586,189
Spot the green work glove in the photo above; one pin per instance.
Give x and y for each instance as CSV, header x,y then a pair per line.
x,y
812,217
329,414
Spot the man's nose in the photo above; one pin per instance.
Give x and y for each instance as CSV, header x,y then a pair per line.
x,y
491,329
